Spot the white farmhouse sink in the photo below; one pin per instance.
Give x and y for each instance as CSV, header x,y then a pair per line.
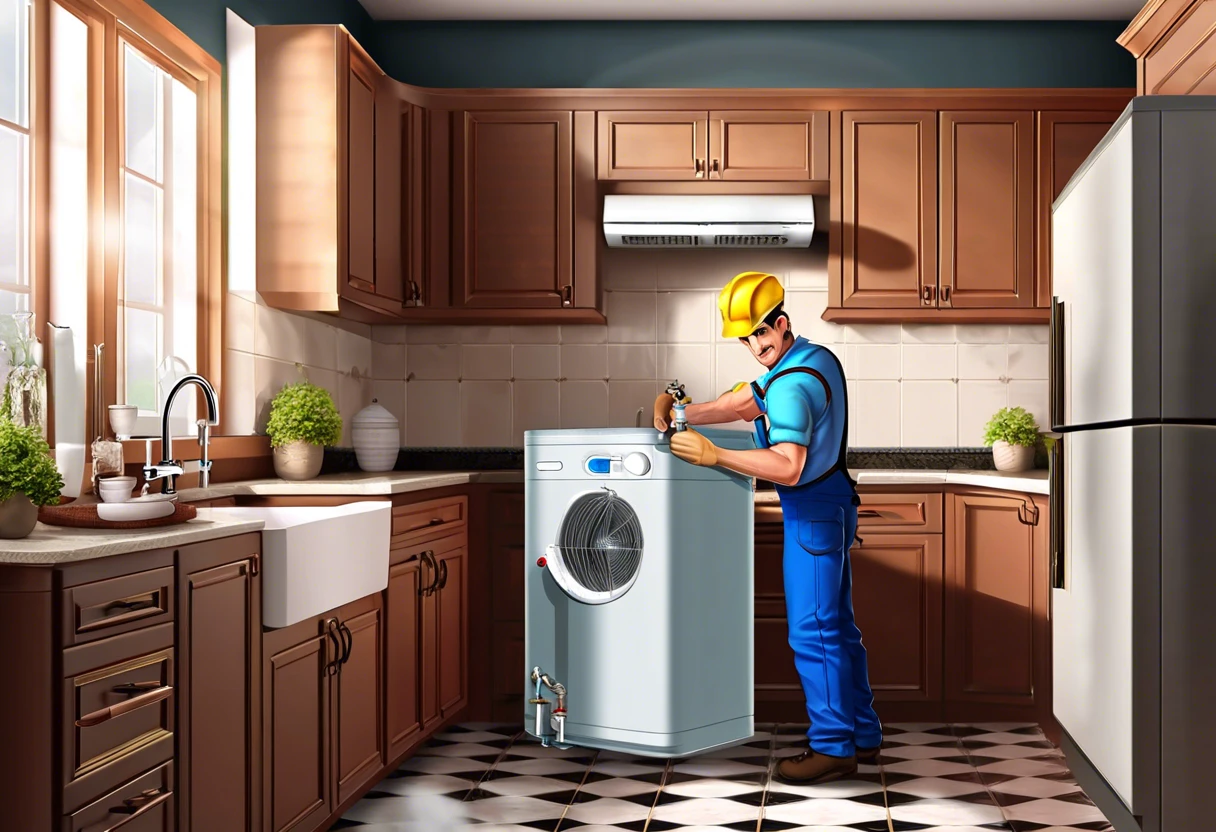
x,y
317,558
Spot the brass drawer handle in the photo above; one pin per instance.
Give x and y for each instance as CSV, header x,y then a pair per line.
x,y
132,704
133,807
435,521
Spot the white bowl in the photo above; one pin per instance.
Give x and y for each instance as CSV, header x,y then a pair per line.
x,y
122,420
116,489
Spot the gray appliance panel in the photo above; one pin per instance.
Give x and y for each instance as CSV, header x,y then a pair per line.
x,y
1188,626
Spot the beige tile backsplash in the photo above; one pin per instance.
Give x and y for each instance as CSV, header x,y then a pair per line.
x,y
915,385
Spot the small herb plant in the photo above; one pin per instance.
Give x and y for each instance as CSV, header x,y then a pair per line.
x,y
1012,425
303,412
26,466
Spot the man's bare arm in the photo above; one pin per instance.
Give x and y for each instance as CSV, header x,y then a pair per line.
x,y
728,407
782,463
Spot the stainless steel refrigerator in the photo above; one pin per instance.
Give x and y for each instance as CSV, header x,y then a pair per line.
x,y
1133,404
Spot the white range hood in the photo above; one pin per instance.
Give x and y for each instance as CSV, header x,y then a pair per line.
x,y
708,221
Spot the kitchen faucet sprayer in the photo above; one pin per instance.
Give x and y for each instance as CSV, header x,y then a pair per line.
x,y
169,469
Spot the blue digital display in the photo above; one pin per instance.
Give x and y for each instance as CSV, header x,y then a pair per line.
x,y
599,465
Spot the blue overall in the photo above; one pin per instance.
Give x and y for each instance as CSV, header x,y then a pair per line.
x,y
803,399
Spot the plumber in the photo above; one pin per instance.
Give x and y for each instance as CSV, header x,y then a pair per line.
x,y
800,410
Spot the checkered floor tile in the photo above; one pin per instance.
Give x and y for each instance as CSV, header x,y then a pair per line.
x,y
950,778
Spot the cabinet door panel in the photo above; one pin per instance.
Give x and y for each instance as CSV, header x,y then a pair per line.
x,y
987,209
1065,141
361,176
889,215
768,145
661,145
296,760
897,602
452,631
221,629
428,665
391,176
359,732
401,661
514,229
996,597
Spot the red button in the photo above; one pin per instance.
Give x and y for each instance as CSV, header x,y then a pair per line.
x,y
541,561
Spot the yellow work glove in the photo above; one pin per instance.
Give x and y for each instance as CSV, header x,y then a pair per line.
x,y
663,415
691,446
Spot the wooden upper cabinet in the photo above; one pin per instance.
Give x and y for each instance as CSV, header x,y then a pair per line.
x,y
1065,141
328,175
768,145
889,208
1174,42
987,209
361,174
664,145
514,204
746,145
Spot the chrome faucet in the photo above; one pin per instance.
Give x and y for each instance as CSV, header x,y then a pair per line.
x,y
169,469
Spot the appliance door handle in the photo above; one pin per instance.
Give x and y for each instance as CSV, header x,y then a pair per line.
x,y
1056,504
1055,369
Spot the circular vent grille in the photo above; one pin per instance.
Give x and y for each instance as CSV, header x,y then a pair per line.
x,y
599,547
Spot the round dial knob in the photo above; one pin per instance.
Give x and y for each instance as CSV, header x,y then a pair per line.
x,y
637,464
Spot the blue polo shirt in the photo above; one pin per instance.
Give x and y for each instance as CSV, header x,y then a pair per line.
x,y
804,401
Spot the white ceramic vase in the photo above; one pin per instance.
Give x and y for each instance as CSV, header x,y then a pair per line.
x,y
298,460
376,436
1012,457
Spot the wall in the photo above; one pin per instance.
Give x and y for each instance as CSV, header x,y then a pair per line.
x,y
909,386
203,21
806,54
265,349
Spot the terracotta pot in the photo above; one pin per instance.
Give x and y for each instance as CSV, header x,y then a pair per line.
x,y
298,460
18,516
1012,457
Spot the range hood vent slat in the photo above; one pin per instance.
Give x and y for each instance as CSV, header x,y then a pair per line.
x,y
708,221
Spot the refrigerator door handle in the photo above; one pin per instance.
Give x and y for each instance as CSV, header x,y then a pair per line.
x,y
1056,367
1056,507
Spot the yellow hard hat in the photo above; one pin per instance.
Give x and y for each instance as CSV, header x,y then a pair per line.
x,y
746,302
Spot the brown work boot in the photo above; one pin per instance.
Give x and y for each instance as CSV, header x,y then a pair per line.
x,y
812,767
869,756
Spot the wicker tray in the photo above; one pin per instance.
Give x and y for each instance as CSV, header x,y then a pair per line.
x,y
85,517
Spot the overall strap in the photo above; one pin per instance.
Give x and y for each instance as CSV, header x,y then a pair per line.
x,y
841,457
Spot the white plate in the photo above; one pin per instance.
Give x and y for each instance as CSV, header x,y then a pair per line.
x,y
135,510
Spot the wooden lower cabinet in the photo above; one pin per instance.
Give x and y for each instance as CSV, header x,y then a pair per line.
x,y
953,617
998,637
358,734
297,789
218,676
403,717
897,602
450,595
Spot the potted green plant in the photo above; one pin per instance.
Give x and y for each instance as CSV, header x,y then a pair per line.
x,y
28,478
1013,435
303,420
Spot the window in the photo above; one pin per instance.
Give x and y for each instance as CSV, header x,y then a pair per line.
x,y
15,236
157,286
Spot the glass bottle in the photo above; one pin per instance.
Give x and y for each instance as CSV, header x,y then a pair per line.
x,y
25,387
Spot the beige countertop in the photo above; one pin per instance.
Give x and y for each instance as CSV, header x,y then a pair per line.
x,y
1028,482
357,484
51,545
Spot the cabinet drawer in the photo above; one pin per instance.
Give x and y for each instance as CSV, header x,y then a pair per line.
x,y
119,605
144,804
433,516
115,716
900,512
